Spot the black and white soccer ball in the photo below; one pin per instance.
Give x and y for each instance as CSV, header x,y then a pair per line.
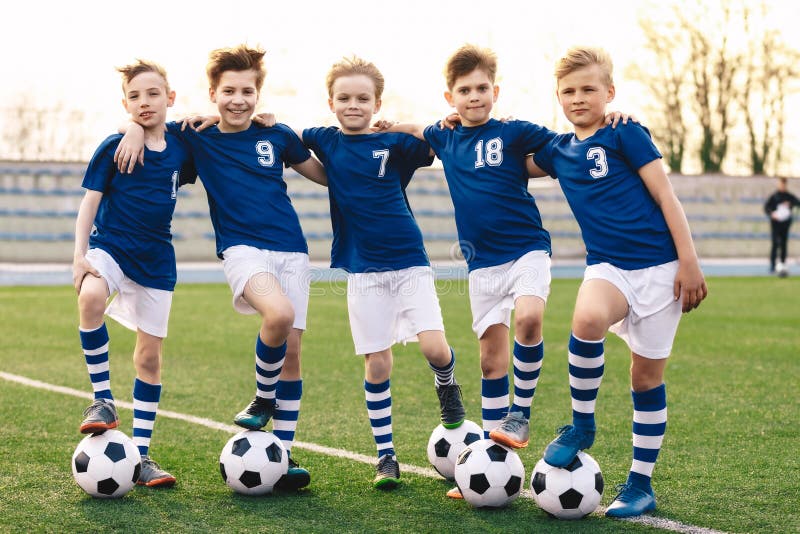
x,y
489,474
445,444
252,461
106,465
571,492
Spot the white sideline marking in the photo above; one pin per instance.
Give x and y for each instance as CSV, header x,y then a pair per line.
x,y
656,522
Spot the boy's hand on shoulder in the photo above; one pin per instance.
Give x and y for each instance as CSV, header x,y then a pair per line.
x,y
198,123
382,125
690,286
615,117
266,120
450,122
130,149
80,269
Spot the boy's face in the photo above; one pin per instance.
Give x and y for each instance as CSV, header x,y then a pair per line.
x,y
473,96
147,99
236,97
583,95
354,103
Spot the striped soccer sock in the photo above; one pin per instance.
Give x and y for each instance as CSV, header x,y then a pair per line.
x,y
649,427
379,410
527,365
445,375
494,402
586,366
95,350
269,362
145,406
284,422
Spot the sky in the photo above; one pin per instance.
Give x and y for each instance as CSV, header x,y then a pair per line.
x,y
63,54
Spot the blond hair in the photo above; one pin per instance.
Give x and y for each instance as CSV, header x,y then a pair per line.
x,y
467,59
579,57
129,72
354,65
237,58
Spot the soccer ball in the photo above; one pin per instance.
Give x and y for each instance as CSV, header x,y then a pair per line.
x,y
445,444
106,465
570,492
252,461
489,474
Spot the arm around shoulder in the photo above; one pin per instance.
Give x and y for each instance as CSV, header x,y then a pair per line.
x,y
313,170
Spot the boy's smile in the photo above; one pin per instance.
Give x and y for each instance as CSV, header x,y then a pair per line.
x,y
236,97
353,101
473,95
583,97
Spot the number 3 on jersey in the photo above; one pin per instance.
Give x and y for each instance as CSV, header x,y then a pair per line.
x,y
492,155
600,162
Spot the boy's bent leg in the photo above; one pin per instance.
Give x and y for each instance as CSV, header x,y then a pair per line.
x,y
442,361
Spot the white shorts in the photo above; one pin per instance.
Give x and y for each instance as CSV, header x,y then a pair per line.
x,y
390,307
134,306
242,262
494,290
653,313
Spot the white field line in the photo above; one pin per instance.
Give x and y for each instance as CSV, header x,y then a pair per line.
x,y
656,522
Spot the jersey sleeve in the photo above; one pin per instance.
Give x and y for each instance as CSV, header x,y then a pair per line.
x,y
416,152
101,167
295,151
532,137
544,159
435,136
636,145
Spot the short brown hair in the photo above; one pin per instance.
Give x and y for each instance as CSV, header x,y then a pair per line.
x,y
237,58
129,72
468,58
349,66
579,57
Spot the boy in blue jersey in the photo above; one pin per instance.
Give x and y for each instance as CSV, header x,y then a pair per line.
x,y
391,293
258,234
123,247
642,268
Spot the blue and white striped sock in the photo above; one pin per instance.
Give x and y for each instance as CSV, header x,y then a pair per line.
x,y
379,410
284,421
269,362
527,365
494,402
95,350
649,427
445,375
145,406
586,366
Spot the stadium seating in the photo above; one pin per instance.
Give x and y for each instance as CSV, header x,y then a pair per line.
x,y
39,203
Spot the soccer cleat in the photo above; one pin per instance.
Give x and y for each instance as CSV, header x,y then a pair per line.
x,y
562,450
295,478
257,414
513,431
454,493
388,473
452,408
100,416
631,501
153,476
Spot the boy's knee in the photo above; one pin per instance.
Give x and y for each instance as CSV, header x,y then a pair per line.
x,y
91,303
528,329
589,326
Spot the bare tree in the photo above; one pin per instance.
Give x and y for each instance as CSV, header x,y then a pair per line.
x,y
769,67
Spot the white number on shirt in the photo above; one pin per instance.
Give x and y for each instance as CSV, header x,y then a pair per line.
x,y
175,177
382,155
600,162
492,156
266,153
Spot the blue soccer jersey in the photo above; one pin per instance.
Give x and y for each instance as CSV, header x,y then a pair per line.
x,y
496,218
620,222
373,226
243,176
134,217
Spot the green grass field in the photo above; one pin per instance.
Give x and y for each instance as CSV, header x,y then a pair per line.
x,y
729,462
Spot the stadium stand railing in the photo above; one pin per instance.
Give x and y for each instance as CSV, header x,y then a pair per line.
x,y
39,203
